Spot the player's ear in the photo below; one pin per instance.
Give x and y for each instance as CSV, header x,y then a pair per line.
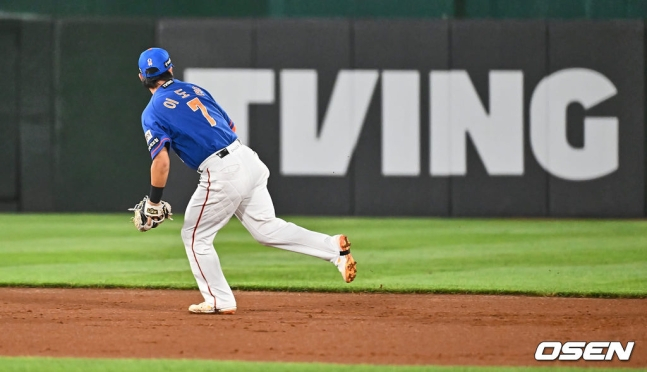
x,y
171,70
141,78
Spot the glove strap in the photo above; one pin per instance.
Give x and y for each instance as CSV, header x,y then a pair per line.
x,y
154,210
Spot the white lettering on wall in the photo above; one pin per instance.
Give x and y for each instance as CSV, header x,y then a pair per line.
x,y
548,106
457,111
304,149
400,123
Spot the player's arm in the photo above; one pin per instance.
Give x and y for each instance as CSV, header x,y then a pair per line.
x,y
158,143
152,211
159,174
160,168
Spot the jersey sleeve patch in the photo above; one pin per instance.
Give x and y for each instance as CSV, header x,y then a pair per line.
x,y
156,145
155,136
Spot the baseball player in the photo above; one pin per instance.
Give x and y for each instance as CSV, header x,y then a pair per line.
x,y
233,181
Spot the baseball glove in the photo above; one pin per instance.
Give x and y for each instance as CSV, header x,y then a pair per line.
x,y
148,216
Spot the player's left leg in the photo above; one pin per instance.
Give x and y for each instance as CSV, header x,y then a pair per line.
x,y
257,215
256,212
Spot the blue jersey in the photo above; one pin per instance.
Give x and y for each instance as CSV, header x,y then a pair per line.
x,y
186,118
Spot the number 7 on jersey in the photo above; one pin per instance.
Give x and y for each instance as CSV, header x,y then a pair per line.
x,y
196,104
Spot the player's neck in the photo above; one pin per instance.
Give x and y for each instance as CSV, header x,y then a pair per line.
x,y
159,84
153,90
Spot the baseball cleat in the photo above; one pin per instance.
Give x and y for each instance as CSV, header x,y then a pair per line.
x,y
205,308
346,263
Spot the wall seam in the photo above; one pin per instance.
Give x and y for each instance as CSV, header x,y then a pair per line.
x,y
644,119
450,65
56,124
19,116
548,72
351,174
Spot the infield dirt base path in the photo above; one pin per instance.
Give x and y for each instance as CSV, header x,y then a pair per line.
x,y
307,327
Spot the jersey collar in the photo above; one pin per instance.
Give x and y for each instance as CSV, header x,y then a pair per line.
x,y
168,83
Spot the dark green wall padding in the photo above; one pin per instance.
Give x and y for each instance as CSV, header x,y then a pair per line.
x,y
569,9
99,101
9,127
70,109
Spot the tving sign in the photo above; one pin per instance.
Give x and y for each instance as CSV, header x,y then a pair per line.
x,y
455,112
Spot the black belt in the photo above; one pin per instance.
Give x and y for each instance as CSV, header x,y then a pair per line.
x,y
222,153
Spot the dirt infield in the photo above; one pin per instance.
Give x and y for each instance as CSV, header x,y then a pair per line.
x,y
324,327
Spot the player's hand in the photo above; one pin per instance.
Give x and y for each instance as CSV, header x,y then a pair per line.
x,y
154,211
149,215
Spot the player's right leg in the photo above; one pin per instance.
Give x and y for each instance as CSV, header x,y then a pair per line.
x,y
256,212
209,210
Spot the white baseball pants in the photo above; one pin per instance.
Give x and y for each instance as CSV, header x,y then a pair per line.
x,y
237,184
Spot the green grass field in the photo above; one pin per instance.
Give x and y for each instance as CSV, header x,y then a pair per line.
x,y
561,257
539,257
169,365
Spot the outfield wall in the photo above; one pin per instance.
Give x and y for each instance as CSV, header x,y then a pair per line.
x,y
353,117
441,9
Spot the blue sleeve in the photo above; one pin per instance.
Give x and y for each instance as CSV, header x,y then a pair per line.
x,y
156,136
